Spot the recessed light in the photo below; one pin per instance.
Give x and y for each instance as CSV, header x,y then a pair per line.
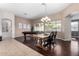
x,y
43,3
25,13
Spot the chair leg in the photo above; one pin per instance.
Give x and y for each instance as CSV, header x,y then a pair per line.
x,y
49,46
46,44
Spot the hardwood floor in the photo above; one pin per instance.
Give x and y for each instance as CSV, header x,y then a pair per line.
x,y
11,47
61,48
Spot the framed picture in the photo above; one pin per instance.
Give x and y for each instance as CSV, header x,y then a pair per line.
x,y
20,25
28,26
24,26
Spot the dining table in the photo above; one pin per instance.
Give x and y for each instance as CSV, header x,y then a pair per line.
x,y
25,33
40,38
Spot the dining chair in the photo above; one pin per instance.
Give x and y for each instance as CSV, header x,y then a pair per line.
x,y
51,40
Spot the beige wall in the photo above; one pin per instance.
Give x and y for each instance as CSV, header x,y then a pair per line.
x,y
18,32
74,7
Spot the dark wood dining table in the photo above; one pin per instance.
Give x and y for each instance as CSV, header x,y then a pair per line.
x,y
27,32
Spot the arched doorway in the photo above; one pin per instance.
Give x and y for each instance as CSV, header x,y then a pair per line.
x,y
6,28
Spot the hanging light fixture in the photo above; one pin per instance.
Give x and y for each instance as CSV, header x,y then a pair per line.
x,y
46,18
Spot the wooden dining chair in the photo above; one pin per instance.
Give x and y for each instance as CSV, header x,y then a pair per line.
x,y
51,40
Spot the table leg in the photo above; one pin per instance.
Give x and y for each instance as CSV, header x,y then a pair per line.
x,y
24,38
35,41
41,42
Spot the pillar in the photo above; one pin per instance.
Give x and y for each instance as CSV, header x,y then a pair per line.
x,y
66,29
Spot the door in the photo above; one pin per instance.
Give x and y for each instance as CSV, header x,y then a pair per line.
x,y
6,28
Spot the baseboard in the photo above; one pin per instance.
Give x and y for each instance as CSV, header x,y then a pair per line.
x,y
18,37
66,40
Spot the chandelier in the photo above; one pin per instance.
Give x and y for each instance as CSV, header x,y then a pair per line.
x,y
46,18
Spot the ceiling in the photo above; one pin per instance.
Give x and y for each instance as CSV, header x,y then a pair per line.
x,y
33,10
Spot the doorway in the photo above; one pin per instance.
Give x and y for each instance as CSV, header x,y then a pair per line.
x,y
6,29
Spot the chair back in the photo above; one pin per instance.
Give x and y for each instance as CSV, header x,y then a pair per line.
x,y
52,36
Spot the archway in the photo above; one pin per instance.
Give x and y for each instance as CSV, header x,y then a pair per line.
x,y
6,28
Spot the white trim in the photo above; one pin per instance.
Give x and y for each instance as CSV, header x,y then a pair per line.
x,y
65,39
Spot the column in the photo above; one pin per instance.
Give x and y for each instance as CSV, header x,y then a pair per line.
x,y
66,29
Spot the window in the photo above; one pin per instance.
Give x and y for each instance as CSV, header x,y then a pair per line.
x,y
24,26
51,26
74,26
38,27
20,25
